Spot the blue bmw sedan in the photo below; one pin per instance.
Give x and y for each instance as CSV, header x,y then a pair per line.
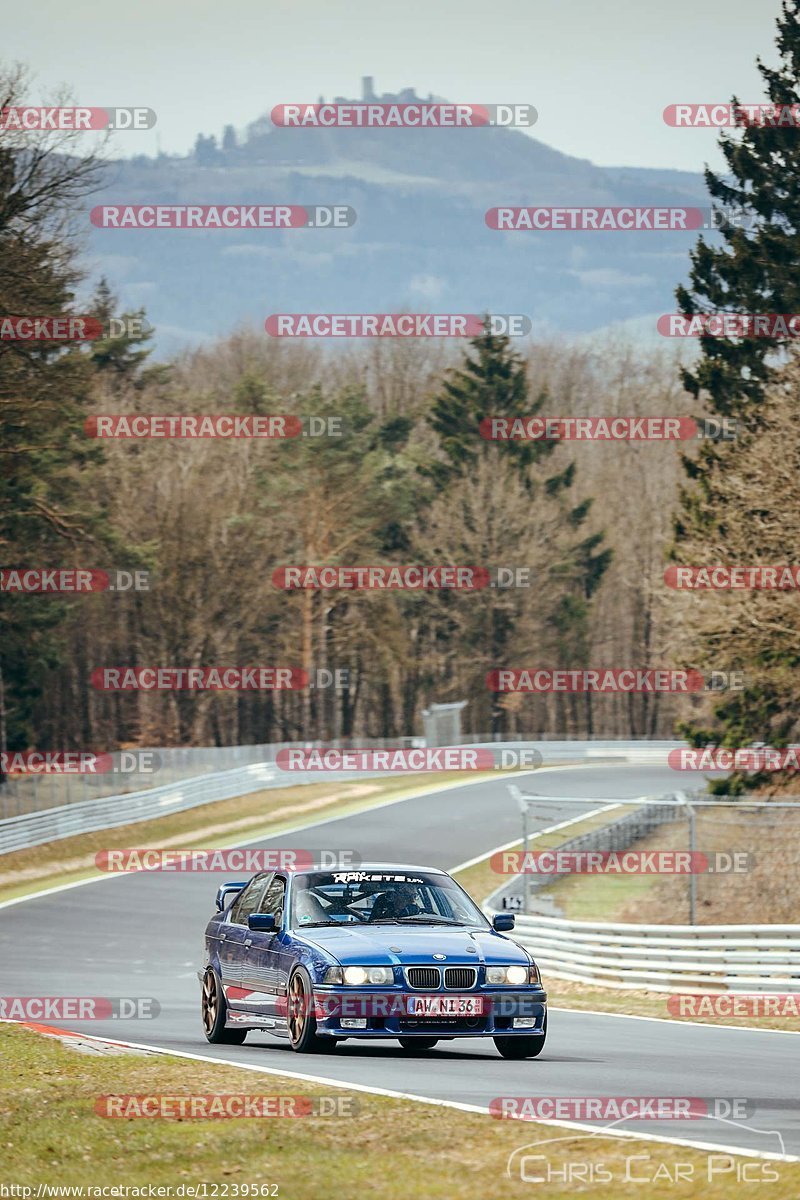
x,y
383,951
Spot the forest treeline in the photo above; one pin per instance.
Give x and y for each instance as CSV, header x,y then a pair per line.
x,y
410,480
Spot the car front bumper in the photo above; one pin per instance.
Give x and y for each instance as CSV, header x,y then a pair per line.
x,y
385,1014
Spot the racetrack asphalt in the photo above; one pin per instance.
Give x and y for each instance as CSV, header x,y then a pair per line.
x,y
141,935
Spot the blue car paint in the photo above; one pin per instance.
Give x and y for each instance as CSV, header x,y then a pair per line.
x,y
254,969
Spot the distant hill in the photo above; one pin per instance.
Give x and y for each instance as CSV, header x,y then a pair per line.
x,y
420,241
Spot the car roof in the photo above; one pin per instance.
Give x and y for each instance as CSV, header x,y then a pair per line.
x,y
368,866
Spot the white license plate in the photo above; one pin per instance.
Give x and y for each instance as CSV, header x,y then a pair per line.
x,y
445,1006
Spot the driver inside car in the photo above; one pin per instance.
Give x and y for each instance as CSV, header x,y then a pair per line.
x,y
396,902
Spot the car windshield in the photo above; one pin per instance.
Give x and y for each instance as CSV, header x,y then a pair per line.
x,y
380,898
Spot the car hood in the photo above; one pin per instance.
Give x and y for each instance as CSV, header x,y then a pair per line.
x,y
382,945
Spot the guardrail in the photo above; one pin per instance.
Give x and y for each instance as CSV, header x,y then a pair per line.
x,y
665,958
88,816
144,767
615,835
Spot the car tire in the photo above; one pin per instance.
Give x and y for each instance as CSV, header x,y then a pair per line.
x,y
300,1019
214,1012
522,1047
417,1045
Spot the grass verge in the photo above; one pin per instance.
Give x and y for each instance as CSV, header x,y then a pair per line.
x,y
584,997
51,1134
765,893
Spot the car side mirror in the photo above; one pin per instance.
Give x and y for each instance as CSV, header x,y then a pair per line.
x,y
503,922
262,922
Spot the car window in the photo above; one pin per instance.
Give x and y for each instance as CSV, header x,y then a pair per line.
x,y
250,899
274,898
365,897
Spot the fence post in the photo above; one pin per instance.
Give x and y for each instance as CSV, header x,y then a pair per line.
x,y
524,858
692,876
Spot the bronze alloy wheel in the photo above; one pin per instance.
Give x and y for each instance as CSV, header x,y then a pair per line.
x,y
209,1002
214,1013
301,1020
297,1002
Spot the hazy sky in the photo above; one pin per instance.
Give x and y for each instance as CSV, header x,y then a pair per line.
x,y
600,72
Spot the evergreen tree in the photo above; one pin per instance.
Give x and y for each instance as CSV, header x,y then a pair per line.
x,y
46,516
756,269
120,351
492,382
206,151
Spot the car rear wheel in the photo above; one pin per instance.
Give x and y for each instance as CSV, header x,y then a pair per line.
x,y
301,1019
214,1011
522,1047
414,1045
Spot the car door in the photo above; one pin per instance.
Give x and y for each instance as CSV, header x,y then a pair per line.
x,y
234,933
262,973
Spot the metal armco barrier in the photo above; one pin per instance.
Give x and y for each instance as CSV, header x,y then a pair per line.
x,y
617,834
87,816
665,958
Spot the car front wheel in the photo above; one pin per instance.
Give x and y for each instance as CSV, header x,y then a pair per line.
x,y
214,1011
417,1045
522,1047
301,1019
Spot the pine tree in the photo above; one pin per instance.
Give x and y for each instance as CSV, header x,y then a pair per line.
x,y
492,382
120,352
46,517
755,270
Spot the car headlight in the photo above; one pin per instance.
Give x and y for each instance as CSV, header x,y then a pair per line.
x,y
357,976
533,975
332,975
513,976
